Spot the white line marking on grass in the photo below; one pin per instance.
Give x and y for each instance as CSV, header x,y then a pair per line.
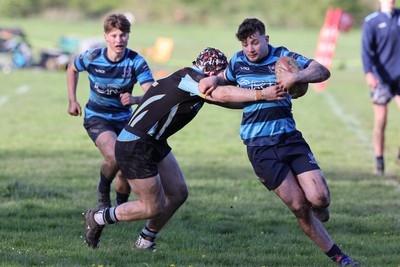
x,y
22,89
352,123
3,100
18,91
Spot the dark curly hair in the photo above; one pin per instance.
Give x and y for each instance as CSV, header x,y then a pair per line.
x,y
249,27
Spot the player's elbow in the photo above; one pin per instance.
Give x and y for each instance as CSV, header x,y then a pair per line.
x,y
326,74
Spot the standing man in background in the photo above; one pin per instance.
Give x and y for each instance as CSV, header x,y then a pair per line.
x,y
112,71
381,62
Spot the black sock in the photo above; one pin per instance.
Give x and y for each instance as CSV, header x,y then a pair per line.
x,y
334,253
148,234
121,198
380,163
109,215
104,184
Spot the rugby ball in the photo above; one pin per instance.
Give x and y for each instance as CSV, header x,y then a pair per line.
x,y
291,65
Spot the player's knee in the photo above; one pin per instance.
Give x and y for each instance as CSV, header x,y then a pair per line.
x,y
180,196
154,210
110,163
299,209
321,200
183,194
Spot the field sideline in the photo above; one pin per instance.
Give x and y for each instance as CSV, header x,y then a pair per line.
x,y
49,168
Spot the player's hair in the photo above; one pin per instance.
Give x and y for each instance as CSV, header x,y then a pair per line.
x,y
211,61
249,27
117,21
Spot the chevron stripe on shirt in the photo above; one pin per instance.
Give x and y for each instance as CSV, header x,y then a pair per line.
x,y
165,108
109,79
263,123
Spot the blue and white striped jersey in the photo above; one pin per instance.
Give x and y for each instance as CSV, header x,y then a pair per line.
x,y
263,122
110,79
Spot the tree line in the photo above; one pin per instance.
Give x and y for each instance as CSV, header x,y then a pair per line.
x,y
276,13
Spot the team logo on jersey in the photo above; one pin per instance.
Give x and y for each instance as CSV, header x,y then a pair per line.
x,y
108,89
312,159
127,72
382,25
100,71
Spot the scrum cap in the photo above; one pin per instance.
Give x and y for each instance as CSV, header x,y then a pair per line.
x,y
211,61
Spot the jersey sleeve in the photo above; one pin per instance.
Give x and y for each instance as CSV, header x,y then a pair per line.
x,y
230,70
83,60
189,85
142,70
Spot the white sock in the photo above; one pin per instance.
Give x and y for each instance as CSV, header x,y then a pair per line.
x,y
98,217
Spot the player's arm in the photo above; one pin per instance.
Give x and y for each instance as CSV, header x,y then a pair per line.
x,y
74,108
209,84
129,99
372,81
314,73
234,94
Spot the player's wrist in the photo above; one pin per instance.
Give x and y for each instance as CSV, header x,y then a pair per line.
x,y
259,95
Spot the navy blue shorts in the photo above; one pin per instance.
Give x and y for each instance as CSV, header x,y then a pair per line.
x,y
95,126
138,159
272,163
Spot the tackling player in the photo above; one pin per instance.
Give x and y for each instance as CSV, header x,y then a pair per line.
x,y
146,159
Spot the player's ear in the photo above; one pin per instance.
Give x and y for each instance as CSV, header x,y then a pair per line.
x,y
267,38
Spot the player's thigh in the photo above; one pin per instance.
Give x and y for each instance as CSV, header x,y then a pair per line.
x,y
380,113
291,193
315,187
397,100
171,176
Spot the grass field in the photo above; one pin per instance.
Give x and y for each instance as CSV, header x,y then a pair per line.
x,y
49,168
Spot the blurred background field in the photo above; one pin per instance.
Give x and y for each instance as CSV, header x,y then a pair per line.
x,y
48,165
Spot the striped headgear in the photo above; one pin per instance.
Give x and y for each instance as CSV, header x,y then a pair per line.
x,y
211,61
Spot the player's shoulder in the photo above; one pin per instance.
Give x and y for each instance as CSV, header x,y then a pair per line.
x,y
372,16
132,54
279,51
91,55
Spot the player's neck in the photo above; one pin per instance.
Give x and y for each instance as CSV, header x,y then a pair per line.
x,y
114,57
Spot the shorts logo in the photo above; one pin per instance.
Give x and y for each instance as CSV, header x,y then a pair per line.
x,y
94,130
312,159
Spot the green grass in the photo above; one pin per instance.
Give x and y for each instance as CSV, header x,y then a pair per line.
x,y
49,169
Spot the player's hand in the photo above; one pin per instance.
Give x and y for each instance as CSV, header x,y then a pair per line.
x,y
207,85
287,80
371,80
272,93
74,109
126,99
135,99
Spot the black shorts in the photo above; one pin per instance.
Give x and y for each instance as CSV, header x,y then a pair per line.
x,y
95,126
272,163
138,159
